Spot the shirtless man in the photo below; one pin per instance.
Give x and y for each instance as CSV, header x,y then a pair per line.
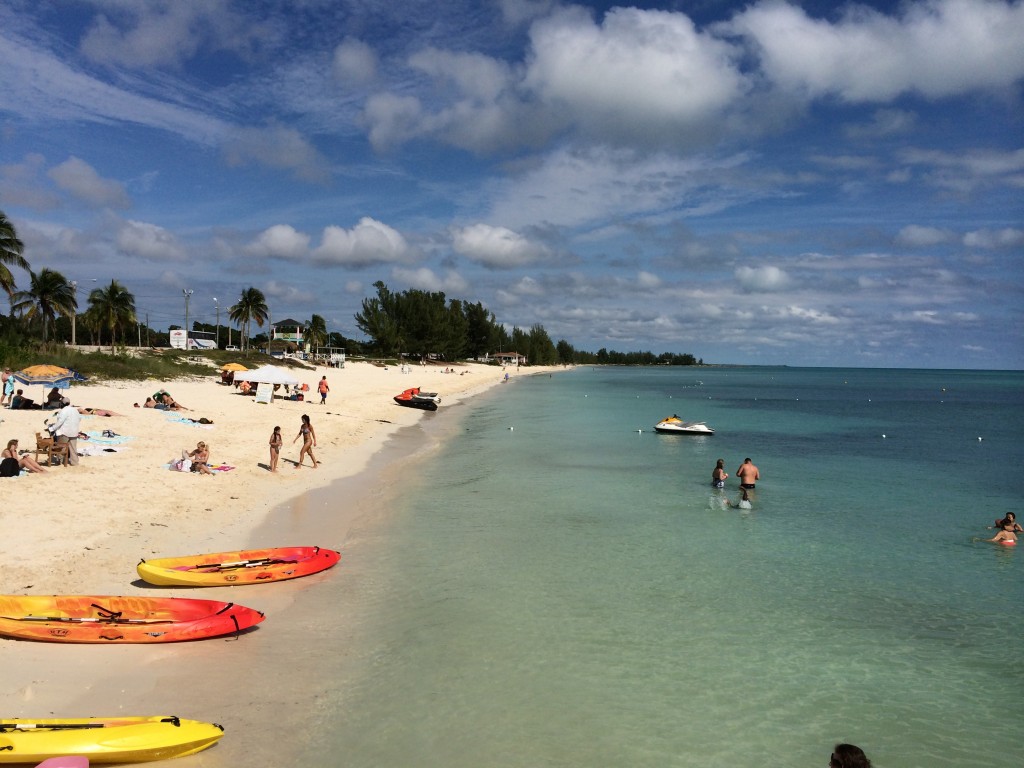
x,y
748,475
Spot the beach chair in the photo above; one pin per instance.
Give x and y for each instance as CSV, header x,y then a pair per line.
x,y
51,448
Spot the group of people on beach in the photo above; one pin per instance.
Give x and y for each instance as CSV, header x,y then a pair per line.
x,y
748,475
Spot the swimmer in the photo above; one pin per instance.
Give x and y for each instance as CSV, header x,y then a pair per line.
x,y
1006,537
719,475
848,756
1011,521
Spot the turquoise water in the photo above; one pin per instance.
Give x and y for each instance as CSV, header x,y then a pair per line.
x,y
553,587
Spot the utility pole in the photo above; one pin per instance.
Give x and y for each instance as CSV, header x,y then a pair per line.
x,y
217,305
188,295
74,314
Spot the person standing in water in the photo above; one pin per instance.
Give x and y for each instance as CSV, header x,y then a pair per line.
x,y
748,474
719,475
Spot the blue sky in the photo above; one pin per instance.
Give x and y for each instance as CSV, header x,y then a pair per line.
x,y
764,182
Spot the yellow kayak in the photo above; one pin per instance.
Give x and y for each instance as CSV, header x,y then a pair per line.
x,y
105,739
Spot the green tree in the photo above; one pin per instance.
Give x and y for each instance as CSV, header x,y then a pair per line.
x,y
115,309
252,305
11,249
379,320
566,353
49,295
316,332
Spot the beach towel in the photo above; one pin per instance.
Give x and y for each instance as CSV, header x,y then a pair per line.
x,y
220,468
107,437
191,422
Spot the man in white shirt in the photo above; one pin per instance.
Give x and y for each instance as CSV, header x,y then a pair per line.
x,y
65,429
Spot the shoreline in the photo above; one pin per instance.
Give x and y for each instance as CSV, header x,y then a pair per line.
x,y
95,546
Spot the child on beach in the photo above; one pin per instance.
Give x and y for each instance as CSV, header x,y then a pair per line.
x,y
276,441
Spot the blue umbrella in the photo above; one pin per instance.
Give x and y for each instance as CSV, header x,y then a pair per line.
x,y
48,376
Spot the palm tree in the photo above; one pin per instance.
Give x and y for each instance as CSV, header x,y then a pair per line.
x,y
50,295
114,307
10,253
252,305
316,332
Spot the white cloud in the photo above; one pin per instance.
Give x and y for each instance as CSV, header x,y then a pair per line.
x,y
647,280
355,62
167,32
148,241
426,280
275,147
369,242
392,119
497,247
637,72
280,241
287,294
81,180
999,238
938,49
917,236
762,279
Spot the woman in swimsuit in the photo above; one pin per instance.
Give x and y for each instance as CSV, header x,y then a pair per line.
x,y
200,459
719,475
1006,537
25,462
308,435
1009,520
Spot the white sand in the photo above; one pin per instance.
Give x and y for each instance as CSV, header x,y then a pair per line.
x,y
81,530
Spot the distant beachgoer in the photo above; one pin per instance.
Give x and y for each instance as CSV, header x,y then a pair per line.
x,y
276,441
24,462
848,756
308,435
54,399
1009,520
719,475
323,389
748,475
66,429
8,387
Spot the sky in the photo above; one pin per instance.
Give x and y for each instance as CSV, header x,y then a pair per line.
x,y
764,182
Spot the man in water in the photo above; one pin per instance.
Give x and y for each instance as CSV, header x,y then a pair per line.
x,y
748,474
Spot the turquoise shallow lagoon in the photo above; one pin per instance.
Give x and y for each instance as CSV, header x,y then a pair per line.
x,y
557,585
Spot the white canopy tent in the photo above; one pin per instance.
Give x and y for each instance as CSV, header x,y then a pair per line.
x,y
267,374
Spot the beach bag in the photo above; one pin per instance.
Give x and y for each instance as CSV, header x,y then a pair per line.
x,y
182,465
10,468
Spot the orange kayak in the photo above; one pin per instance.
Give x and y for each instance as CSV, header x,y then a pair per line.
x,y
251,566
109,619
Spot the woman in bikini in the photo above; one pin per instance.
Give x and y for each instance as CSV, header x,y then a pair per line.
x,y
200,459
276,441
719,475
25,462
308,435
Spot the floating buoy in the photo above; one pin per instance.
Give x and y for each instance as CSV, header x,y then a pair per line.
x,y
510,429
979,439
640,430
883,437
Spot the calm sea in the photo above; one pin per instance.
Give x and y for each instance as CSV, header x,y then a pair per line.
x,y
558,585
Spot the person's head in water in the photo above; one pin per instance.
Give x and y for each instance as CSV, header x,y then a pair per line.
x,y
848,756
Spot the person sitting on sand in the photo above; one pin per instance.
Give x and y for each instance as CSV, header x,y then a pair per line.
x,y
170,404
55,399
200,459
25,462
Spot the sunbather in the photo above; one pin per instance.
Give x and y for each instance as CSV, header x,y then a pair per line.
x,y
25,462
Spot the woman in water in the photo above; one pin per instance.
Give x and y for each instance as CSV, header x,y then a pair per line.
x,y
719,475
848,756
1009,520
308,435
1005,536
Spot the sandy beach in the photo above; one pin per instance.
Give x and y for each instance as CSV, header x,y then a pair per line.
x,y
81,530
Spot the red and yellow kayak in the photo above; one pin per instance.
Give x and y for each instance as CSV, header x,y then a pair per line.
x,y
105,739
251,566
109,619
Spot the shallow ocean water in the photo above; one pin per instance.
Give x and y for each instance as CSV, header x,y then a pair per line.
x,y
557,585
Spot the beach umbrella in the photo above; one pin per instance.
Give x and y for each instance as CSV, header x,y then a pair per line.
x,y
233,367
48,376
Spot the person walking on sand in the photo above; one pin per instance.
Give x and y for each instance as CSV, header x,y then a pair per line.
x,y
276,441
308,435
748,474
66,430
323,389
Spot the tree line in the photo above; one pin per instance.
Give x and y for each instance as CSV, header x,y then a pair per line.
x,y
413,323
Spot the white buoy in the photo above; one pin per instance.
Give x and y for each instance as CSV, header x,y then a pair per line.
x,y
979,439
640,430
510,429
883,437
